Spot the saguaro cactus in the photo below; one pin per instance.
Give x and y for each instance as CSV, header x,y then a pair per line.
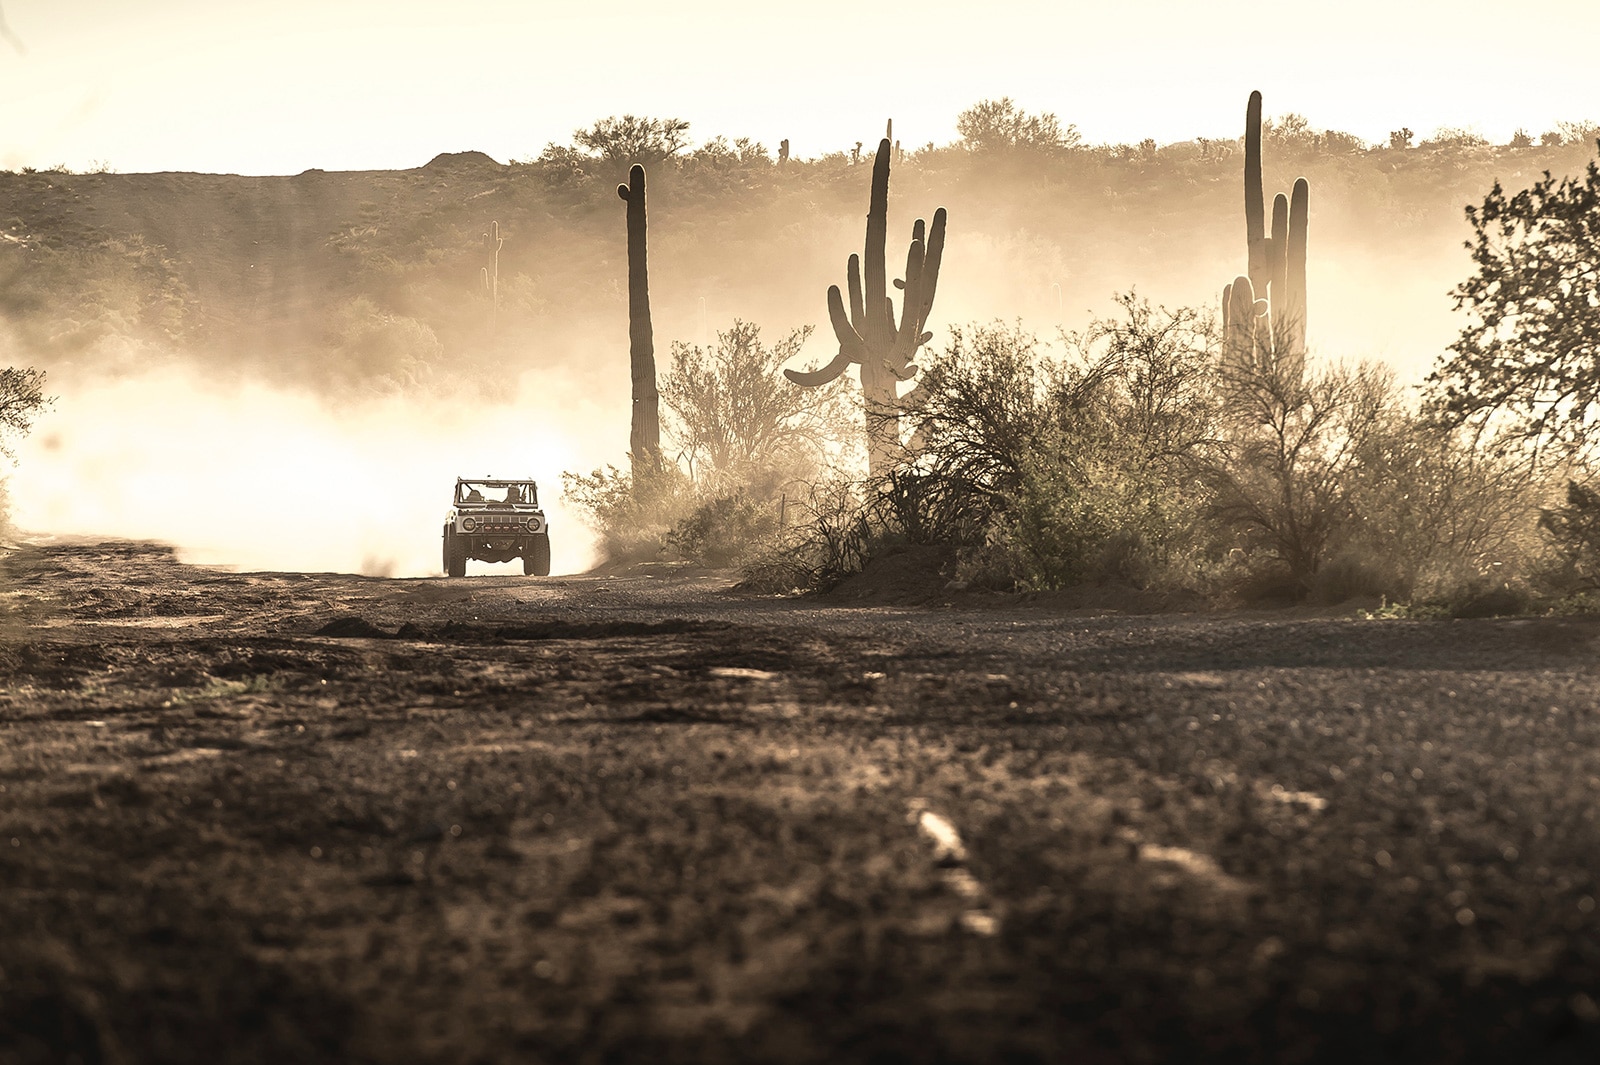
x,y
1276,262
868,333
644,439
492,243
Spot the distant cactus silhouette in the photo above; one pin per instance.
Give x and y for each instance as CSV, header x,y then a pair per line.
x,y
492,243
868,334
1271,298
644,439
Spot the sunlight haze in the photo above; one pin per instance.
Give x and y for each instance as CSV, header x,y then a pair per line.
x,y
280,88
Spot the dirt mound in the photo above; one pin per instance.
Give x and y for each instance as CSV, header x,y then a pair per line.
x,y
902,575
456,159
353,626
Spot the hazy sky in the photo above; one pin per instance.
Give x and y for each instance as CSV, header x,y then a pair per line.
x,y
214,85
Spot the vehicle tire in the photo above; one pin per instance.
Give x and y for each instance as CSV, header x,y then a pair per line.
x,y
536,558
455,555
449,545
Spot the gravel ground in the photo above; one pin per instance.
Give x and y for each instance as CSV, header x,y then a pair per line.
x,y
322,818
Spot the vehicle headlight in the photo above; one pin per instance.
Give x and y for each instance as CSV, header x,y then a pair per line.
x,y
469,524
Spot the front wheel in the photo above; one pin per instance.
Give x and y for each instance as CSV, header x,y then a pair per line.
x,y
536,561
455,554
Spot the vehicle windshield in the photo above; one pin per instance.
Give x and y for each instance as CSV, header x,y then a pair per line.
x,y
491,491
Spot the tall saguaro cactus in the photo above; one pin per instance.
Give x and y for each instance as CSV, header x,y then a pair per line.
x,y
492,243
644,439
867,331
1264,311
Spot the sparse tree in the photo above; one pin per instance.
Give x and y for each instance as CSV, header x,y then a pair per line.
x,y
1530,352
1583,132
1455,137
1284,478
1521,139
738,420
630,139
1291,132
21,399
1000,125
1400,138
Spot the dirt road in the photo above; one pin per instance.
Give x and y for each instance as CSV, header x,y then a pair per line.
x,y
323,818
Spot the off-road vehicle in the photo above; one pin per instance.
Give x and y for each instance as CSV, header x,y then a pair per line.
x,y
495,520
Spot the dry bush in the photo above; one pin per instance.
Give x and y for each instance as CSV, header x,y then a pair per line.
x,y
746,439
739,424
724,530
632,512
1329,483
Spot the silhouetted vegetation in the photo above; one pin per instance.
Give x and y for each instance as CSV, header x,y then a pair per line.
x,y
1028,463
1529,356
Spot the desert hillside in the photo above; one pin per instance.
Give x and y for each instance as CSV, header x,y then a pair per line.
x,y
375,279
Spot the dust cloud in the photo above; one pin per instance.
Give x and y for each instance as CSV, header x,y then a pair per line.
x,y
267,478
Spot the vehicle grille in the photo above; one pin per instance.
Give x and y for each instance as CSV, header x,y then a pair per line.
x,y
501,524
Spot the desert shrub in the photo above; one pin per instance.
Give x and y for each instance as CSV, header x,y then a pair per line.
x,y
1057,469
1441,513
1573,527
1582,131
1455,137
724,530
1326,482
1283,471
1106,491
631,511
827,531
744,438
739,424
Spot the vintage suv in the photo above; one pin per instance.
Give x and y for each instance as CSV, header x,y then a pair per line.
x,y
495,520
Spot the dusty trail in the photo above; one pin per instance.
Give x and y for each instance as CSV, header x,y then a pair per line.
x,y
315,817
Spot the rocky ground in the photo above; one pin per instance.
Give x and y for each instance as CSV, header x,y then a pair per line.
x,y
285,817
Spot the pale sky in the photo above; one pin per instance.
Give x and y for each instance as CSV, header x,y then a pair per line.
x,y
276,88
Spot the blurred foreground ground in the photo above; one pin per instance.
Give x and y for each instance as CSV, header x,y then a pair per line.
x,y
275,817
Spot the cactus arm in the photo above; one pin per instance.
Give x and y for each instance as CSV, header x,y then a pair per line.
x,y
816,378
1239,339
858,314
910,327
1295,289
1227,306
851,344
1278,251
917,235
930,269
